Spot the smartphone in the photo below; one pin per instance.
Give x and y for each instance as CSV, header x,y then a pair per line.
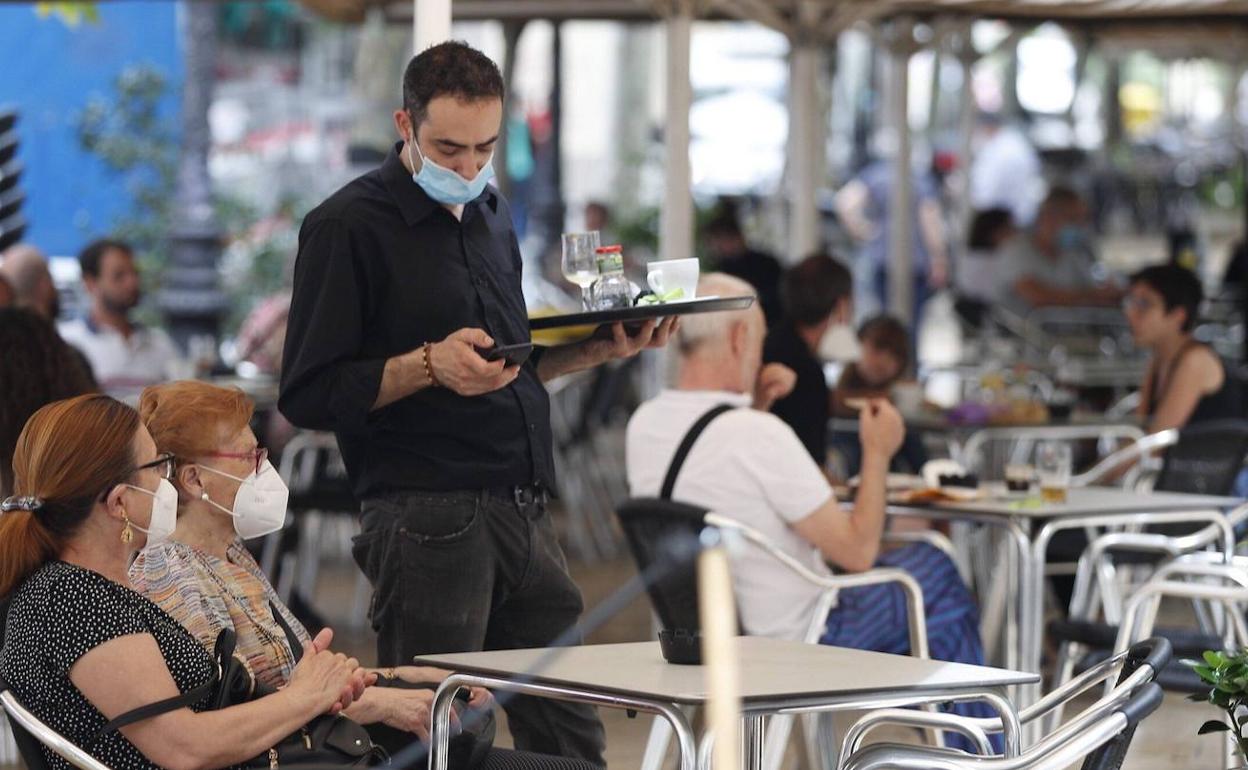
x,y
514,355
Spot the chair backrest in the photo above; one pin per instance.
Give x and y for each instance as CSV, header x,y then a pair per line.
x,y
312,468
1206,459
1154,652
664,537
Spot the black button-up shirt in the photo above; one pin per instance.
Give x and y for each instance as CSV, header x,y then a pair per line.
x,y
382,269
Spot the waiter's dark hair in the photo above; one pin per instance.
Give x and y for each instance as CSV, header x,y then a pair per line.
x,y
453,68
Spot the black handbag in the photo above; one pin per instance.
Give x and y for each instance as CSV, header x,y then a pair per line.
x,y
326,741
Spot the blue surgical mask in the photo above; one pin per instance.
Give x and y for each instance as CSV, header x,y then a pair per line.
x,y
1072,238
446,186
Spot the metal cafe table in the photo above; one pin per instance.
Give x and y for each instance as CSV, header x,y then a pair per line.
x,y
776,677
1030,523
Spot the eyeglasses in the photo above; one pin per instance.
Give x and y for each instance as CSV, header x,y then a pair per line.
x,y
1137,304
257,455
164,462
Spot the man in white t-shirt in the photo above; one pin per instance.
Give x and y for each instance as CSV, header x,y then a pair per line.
x,y
125,356
750,466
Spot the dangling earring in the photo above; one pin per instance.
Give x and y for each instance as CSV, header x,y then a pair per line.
x,y
127,534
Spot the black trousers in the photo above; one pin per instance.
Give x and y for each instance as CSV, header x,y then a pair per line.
x,y
468,571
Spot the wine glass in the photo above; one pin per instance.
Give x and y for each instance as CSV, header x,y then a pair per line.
x,y
579,261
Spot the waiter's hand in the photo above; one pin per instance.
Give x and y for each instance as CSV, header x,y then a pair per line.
x,y
459,367
614,342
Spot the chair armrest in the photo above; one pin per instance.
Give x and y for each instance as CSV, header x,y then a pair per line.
x,y
914,593
1141,447
910,718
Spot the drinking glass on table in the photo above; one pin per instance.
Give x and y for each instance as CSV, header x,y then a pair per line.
x,y
579,262
1053,466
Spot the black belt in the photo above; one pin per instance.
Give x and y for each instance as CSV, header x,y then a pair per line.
x,y
528,494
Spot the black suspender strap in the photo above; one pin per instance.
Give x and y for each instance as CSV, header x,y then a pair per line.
x,y
686,444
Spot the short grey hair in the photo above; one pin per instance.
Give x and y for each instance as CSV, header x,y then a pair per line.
x,y
25,266
705,328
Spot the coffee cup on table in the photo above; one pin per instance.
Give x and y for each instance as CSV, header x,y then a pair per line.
x,y
673,279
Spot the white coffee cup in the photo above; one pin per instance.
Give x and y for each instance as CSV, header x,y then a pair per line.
x,y
666,275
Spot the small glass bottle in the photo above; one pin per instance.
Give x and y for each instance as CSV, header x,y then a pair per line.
x,y
612,290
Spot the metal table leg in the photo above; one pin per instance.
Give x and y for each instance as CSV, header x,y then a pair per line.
x,y
445,696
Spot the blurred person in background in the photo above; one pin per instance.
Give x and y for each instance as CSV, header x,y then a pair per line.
x,y
884,358
864,207
975,277
730,253
124,354
816,294
1006,171
7,295
81,647
26,269
1186,382
1051,264
38,368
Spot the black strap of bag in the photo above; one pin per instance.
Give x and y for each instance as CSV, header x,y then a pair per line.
x,y
686,444
292,639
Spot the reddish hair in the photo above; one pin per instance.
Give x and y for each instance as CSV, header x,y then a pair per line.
x,y
69,453
190,419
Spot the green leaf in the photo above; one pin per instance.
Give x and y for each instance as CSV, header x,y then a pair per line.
x,y
1205,673
1213,726
1214,658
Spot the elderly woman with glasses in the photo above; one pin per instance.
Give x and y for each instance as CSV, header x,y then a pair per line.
x,y
81,647
204,576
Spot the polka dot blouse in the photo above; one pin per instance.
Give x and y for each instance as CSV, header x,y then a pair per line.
x,y
58,615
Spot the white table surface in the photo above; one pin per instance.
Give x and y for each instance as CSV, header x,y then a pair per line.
x,y
771,669
1084,501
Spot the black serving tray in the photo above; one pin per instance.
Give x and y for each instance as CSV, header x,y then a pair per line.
x,y
641,313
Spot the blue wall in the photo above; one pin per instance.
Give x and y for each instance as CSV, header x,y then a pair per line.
x,y
48,71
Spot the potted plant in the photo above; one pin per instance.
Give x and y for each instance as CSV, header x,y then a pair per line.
x,y
1226,673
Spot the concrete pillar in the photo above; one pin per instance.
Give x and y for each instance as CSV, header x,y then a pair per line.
x,y
901,223
676,218
431,23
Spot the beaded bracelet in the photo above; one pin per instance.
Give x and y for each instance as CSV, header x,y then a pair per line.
x,y
424,351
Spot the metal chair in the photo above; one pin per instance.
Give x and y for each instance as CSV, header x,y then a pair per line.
x,y
31,733
1100,735
662,532
320,493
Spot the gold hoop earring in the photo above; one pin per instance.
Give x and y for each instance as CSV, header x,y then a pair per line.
x,y
127,534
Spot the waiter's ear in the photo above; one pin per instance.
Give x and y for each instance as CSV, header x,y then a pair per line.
x,y
403,124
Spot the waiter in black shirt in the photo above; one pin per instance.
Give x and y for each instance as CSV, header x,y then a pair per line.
x,y
402,277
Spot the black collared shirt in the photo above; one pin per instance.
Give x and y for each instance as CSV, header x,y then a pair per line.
x,y
382,269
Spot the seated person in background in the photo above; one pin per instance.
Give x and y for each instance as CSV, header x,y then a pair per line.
x,y
125,355
885,355
26,269
749,466
81,647
975,277
38,368
1186,382
204,577
815,295
1051,263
